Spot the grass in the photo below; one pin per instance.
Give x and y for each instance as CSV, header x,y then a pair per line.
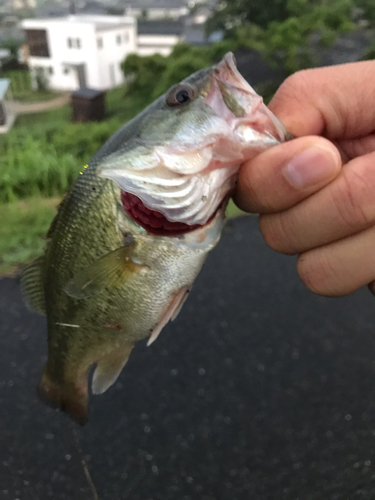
x,y
233,211
22,90
22,231
29,96
43,153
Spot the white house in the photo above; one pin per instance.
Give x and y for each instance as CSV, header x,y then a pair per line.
x,y
80,51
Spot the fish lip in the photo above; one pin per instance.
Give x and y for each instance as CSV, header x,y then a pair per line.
x,y
233,80
226,72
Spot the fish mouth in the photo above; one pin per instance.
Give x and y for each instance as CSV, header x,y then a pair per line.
x,y
176,186
250,120
155,222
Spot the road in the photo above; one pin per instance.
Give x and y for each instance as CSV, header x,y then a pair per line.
x,y
259,390
25,108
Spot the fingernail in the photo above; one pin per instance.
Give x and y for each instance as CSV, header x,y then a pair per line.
x,y
311,167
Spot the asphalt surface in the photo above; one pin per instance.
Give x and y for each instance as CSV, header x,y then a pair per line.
x,y
259,390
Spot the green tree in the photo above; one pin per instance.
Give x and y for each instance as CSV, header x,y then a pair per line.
x,y
141,73
229,14
298,40
178,69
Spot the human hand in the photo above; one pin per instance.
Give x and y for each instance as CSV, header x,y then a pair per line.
x,y
316,194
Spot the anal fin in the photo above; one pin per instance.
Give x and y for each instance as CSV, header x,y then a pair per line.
x,y
171,313
109,368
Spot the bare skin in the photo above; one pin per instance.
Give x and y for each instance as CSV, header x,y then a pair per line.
x,y
316,194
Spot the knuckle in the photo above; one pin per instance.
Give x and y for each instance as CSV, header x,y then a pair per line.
x,y
276,234
354,197
317,272
294,87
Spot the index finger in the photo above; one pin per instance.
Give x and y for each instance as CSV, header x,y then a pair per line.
x,y
335,101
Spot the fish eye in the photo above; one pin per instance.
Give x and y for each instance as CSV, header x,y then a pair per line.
x,y
181,94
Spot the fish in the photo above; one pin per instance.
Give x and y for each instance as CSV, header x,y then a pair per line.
x,y
133,232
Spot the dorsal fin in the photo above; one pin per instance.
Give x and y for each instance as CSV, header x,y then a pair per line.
x,y
32,286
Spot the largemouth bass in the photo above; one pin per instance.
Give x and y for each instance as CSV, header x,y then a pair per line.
x,y
133,232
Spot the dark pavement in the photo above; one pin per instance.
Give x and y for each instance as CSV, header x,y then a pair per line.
x,y
259,390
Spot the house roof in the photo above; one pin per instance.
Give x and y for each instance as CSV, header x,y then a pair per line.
x,y
195,34
101,22
93,7
160,27
155,4
110,26
4,85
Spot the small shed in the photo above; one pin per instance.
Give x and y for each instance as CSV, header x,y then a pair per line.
x,y
7,113
88,105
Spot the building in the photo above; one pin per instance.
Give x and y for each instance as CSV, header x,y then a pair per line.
x,y
158,37
23,4
156,9
72,52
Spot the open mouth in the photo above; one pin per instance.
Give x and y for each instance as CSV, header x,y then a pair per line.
x,y
154,222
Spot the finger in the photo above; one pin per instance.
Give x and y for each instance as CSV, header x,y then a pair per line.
x,y
286,174
357,147
341,267
332,101
342,208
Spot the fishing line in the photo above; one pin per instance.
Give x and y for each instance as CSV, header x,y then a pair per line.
x,y
84,463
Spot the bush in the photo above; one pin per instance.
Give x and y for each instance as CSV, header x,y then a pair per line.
x,y
46,160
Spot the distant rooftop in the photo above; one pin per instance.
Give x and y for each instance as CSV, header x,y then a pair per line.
x,y
195,35
101,23
155,4
160,27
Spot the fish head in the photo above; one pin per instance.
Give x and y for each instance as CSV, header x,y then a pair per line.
x,y
177,162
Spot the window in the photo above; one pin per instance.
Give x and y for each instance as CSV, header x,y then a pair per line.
x,y
118,39
99,42
50,70
74,43
37,42
126,37
65,70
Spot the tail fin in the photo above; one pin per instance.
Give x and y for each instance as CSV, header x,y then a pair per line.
x,y
69,397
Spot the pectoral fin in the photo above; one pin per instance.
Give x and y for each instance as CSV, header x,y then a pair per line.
x,y
109,368
109,271
171,313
